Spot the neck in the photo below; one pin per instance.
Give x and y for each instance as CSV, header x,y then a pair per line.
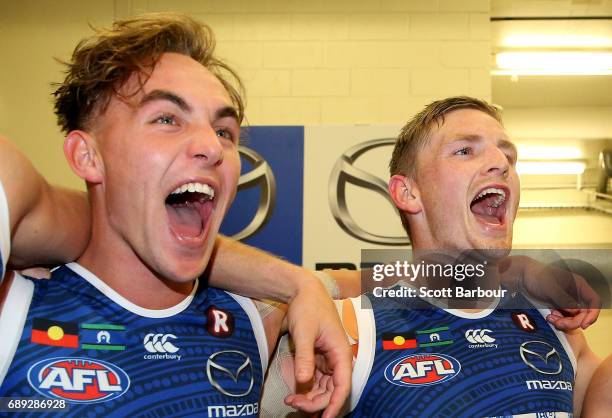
x,y
114,262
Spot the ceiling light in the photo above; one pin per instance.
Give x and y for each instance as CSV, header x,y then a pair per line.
x,y
549,168
532,152
534,40
553,63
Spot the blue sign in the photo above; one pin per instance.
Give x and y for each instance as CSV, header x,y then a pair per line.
x,y
268,210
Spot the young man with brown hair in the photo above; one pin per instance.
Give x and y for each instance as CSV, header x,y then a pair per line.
x,y
152,119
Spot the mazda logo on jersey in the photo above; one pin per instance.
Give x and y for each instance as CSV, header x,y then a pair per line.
x,y
345,172
260,176
231,373
422,370
78,380
541,357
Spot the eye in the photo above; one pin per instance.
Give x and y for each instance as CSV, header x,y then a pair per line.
x,y
511,158
165,120
225,133
463,151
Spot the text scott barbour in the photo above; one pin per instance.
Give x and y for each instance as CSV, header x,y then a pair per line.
x,y
447,292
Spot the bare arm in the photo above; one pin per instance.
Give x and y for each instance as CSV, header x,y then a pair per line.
x,y
254,273
576,303
598,399
540,281
47,224
311,317
587,364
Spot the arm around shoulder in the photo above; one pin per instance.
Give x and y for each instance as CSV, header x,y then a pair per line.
x,y
47,224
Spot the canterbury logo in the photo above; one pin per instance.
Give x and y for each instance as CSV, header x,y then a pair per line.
x,y
158,343
479,336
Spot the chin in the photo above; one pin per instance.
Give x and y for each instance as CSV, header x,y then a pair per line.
x,y
183,273
182,269
494,253
495,249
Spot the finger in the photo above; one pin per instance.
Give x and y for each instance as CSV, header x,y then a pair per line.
x,y
557,322
588,297
589,319
37,272
553,319
591,300
289,399
341,378
304,353
304,403
569,311
322,386
567,323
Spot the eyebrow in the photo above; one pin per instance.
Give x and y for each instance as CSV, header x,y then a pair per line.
x,y
502,143
168,96
224,112
227,112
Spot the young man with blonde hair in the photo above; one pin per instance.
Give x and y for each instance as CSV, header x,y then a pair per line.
x,y
454,181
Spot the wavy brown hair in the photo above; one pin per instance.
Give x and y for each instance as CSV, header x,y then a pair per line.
x,y
102,63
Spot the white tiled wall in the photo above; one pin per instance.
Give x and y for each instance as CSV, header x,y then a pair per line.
x,y
345,62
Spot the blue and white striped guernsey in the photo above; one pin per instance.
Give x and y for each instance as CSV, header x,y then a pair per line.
x,y
433,362
77,340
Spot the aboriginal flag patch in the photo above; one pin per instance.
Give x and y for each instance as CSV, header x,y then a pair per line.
x,y
56,333
398,340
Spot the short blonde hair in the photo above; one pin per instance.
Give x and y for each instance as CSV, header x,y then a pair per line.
x,y
417,132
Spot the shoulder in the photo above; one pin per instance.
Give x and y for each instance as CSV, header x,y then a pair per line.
x,y
15,172
15,300
598,399
5,231
15,293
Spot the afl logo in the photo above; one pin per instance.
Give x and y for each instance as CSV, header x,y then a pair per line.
x,y
422,370
78,380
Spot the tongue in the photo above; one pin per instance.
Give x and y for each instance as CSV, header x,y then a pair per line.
x,y
185,219
485,210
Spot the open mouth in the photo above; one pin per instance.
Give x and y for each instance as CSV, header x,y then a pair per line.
x,y
489,205
189,207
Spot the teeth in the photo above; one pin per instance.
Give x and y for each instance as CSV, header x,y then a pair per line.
x,y
501,196
195,188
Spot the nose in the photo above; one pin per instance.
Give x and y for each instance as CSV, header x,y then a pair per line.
x,y
496,162
206,146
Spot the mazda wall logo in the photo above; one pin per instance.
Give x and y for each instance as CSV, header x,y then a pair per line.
x,y
231,373
345,172
260,176
541,357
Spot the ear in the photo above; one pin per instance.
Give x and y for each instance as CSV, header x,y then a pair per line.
x,y
80,151
405,194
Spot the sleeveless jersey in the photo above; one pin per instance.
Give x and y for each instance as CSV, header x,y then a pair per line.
x,y
73,338
5,232
447,363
